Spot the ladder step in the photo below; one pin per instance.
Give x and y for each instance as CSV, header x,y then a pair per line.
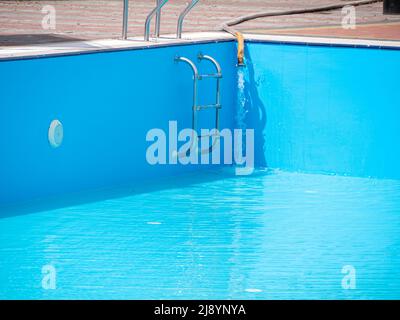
x,y
208,106
211,75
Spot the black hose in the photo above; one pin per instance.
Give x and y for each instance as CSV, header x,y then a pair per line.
x,y
264,14
227,26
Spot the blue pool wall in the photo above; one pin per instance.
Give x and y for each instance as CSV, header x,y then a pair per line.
x,y
326,109
106,102
314,108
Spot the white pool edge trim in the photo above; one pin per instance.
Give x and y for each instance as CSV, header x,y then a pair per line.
x,y
80,47
331,41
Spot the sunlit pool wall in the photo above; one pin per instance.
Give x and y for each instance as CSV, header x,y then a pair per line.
x,y
106,102
324,108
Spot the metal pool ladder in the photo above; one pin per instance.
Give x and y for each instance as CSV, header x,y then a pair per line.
x,y
182,16
157,13
198,77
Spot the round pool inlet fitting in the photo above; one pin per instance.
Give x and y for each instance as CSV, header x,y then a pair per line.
x,y
56,133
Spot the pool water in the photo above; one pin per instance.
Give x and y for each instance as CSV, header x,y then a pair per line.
x,y
272,235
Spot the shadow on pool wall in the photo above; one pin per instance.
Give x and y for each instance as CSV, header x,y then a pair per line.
x,y
330,109
256,115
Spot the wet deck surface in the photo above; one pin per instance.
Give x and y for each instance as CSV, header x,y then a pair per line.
x,y
21,21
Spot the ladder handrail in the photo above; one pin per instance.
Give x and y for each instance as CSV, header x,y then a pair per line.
x,y
217,66
195,76
125,17
157,9
158,20
182,17
196,107
195,79
212,60
191,63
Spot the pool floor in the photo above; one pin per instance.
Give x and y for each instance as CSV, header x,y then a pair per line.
x,y
272,235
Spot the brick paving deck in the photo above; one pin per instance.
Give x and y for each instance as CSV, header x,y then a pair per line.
x,y
381,31
20,21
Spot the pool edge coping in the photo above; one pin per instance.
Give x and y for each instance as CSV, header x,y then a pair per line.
x,y
324,41
112,45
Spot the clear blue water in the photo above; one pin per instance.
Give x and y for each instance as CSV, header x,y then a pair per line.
x,y
272,235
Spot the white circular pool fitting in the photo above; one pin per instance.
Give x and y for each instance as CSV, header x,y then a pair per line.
x,y
56,133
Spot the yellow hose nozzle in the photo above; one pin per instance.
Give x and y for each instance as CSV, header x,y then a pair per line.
x,y
240,51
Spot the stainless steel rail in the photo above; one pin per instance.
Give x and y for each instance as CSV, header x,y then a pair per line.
x,y
182,17
218,76
194,103
195,107
195,79
125,20
158,20
153,12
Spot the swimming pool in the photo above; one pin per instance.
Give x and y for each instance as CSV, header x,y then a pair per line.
x,y
108,224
